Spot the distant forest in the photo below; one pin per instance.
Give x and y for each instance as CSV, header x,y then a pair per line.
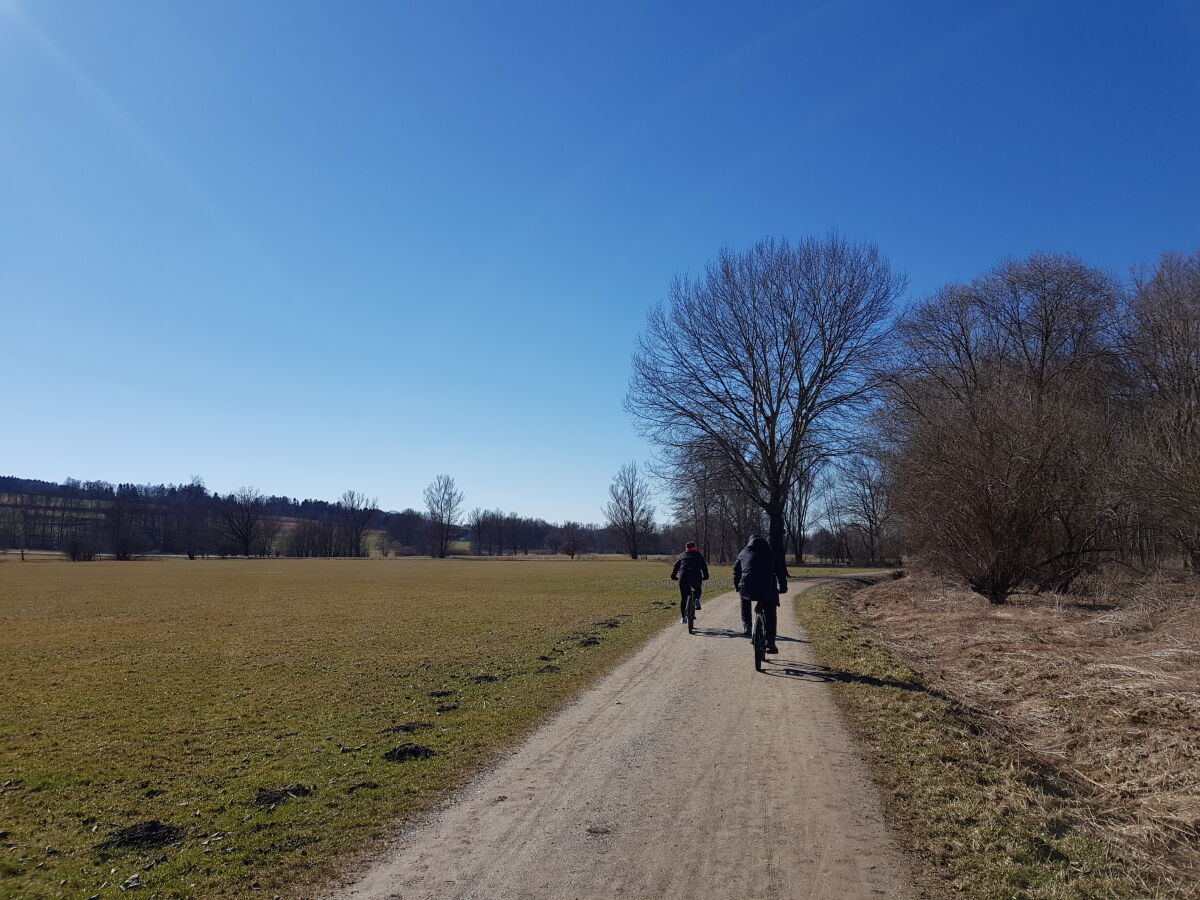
x,y
87,519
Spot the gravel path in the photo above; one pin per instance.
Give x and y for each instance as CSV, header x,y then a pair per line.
x,y
682,773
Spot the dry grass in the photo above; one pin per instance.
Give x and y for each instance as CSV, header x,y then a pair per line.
x,y
250,704
1102,689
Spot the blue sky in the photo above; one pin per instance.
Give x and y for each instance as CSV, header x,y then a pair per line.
x,y
318,246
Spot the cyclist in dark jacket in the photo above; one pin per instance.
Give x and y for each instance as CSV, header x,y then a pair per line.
x,y
690,571
759,578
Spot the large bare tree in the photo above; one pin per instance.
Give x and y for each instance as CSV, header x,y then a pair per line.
x,y
628,511
764,357
443,504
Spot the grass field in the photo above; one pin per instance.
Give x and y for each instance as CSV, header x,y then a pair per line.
x,y
187,692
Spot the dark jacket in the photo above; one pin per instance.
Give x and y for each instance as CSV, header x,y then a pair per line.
x,y
690,566
757,575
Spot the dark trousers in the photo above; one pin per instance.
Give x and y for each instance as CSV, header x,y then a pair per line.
x,y
770,619
684,585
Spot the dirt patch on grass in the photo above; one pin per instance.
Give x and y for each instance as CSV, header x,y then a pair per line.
x,y
408,751
1099,691
275,796
142,836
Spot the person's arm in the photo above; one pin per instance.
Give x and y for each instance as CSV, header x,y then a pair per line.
x,y
737,573
703,568
675,571
781,574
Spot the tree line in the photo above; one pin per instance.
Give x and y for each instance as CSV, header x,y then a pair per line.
x,y
1044,418
1013,432
85,520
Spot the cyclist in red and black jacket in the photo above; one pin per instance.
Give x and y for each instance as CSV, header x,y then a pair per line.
x,y
690,571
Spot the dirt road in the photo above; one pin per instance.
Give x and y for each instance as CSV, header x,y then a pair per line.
x,y
681,774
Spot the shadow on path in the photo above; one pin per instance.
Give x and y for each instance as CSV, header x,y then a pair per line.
x,y
738,633
720,632
813,672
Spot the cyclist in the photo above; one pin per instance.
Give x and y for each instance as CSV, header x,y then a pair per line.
x,y
759,578
690,571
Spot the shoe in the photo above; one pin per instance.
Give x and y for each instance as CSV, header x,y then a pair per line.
x,y
772,649
697,606
746,632
683,620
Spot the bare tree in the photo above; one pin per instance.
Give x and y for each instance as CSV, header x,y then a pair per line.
x,y
801,510
190,517
268,535
764,356
443,503
240,518
498,527
80,542
628,511
707,502
572,541
312,537
355,513
831,514
867,502
123,519
1162,344
405,528
999,429
476,522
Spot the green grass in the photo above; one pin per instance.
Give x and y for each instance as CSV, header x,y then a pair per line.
x,y
987,823
795,571
175,690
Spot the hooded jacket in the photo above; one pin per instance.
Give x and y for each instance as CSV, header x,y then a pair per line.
x,y
690,566
756,574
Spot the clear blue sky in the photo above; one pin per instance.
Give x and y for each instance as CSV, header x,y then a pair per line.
x,y
318,246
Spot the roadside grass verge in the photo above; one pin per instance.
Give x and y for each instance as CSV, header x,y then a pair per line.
x,y
247,707
988,821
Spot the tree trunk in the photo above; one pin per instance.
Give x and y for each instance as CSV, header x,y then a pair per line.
x,y
776,539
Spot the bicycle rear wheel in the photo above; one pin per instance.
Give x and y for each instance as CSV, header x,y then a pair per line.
x,y
691,612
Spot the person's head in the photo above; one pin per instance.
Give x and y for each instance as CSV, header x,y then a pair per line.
x,y
690,545
758,543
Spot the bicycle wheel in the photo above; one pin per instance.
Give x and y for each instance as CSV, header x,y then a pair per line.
x,y
759,641
691,612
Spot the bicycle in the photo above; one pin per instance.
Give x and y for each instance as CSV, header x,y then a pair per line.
x,y
691,609
759,637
